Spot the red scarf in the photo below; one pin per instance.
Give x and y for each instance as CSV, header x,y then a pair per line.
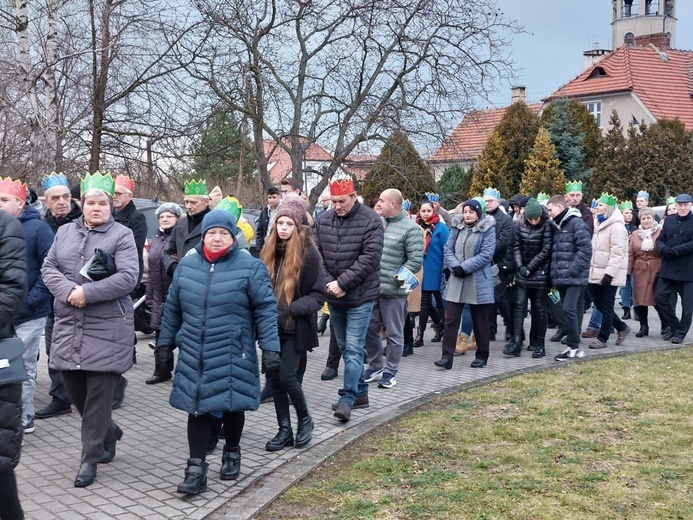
x,y
428,228
213,257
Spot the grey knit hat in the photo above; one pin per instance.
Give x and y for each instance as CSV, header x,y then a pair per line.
x,y
171,207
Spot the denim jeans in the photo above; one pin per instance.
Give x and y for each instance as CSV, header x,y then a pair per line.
x,y
626,293
30,334
350,326
595,320
466,324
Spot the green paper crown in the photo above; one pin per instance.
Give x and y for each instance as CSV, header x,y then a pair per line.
x,y
625,205
608,200
670,200
98,181
231,205
541,197
194,187
572,186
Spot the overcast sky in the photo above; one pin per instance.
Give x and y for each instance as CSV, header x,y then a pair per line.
x,y
558,32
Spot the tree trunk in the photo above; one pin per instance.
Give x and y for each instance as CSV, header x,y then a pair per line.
x,y
100,66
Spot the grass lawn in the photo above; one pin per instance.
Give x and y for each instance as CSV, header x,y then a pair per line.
x,y
604,439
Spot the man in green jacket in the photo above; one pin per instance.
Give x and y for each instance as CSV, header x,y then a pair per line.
x,y
402,257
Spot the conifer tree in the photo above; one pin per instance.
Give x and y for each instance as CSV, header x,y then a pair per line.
x,y
493,169
612,171
450,186
517,130
542,168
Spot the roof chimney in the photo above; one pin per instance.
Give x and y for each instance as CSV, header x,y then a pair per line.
x,y
517,93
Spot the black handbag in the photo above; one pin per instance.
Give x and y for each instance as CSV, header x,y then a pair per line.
x,y
102,266
12,361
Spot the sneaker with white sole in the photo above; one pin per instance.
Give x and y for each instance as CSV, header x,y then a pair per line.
x,y
387,381
371,376
29,427
569,353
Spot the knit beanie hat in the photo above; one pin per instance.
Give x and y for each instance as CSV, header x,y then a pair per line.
x,y
293,209
474,204
171,207
219,218
533,209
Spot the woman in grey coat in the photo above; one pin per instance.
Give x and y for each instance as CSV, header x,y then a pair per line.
x,y
94,325
468,255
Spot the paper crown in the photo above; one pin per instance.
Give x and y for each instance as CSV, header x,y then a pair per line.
x,y
98,181
433,197
625,205
573,186
125,182
406,204
194,187
341,185
482,203
492,192
670,200
54,179
644,194
542,197
15,188
608,200
232,205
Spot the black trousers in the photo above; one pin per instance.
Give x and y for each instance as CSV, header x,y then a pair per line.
x,y
666,291
572,302
603,297
92,395
501,305
333,354
285,384
537,297
200,428
428,309
56,390
481,319
10,508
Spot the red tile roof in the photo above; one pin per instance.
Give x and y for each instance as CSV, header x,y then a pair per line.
x,y
662,80
466,141
359,165
280,162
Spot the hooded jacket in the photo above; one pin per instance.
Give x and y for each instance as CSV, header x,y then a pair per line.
x,y
402,247
609,250
572,250
532,248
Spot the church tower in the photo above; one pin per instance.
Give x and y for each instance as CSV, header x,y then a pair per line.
x,y
644,22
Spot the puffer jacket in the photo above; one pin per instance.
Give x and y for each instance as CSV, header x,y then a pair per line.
x,y
504,238
677,235
402,247
13,274
610,250
572,250
477,287
532,248
351,248
132,218
159,280
97,337
214,313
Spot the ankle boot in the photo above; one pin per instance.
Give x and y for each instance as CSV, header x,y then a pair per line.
x,y
159,375
322,324
418,342
109,445
195,478
408,349
461,346
439,333
626,313
304,433
514,348
230,463
284,437
539,350
644,331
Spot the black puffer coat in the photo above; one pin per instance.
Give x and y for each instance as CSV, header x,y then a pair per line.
x,y
13,274
132,218
532,248
677,235
572,250
159,280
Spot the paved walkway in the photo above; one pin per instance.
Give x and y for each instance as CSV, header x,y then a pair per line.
x,y
141,482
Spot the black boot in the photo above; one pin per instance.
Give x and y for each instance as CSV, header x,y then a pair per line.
x,y
195,478
539,350
109,445
304,433
230,463
160,375
322,324
514,348
408,350
439,333
418,342
284,437
644,331
86,474
626,313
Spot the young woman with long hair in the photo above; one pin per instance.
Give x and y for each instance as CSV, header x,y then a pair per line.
x,y
297,278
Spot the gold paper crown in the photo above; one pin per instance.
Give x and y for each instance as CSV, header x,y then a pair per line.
x,y
572,186
194,187
98,181
608,200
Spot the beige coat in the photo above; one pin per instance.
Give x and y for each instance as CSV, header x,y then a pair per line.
x,y
609,250
645,266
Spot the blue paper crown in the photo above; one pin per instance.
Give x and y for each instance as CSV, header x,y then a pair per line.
x,y
644,194
433,197
406,204
54,179
492,192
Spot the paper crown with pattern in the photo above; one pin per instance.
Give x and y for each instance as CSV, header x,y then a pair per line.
x,y
54,179
573,186
482,203
625,205
341,185
433,197
15,188
643,194
406,204
195,188
608,200
670,200
492,192
98,181
125,182
232,205
542,197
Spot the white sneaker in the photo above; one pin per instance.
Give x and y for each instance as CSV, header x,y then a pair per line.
x,y
570,353
371,376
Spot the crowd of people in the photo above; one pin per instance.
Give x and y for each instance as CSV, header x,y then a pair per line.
x,y
71,272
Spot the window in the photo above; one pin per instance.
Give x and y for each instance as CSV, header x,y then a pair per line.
x,y
598,72
630,8
595,108
629,38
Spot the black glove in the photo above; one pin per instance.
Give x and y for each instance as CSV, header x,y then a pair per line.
x,y
165,358
668,253
270,363
458,271
446,274
607,279
523,270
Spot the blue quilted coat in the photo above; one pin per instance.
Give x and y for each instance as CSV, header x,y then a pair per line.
x,y
214,313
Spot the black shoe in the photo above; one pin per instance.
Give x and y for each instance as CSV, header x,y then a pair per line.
x,y
86,474
558,336
195,478
669,334
677,340
109,446
644,331
329,373
53,409
439,334
158,377
530,347
514,348
408,350
230,463
304,432
119,394
418,342
444,363
539,352
343,412
508,335
478,363
322,324
626,313
361,401
664,331
283,439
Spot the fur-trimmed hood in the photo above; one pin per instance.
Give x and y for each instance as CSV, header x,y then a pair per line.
x,y
481,226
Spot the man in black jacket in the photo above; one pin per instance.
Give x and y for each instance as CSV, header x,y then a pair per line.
x,y
675,244
264,220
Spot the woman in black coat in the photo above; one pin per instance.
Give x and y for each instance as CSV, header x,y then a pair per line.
x,y
299,284
532,256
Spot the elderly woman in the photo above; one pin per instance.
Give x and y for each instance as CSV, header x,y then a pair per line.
x,y
94,325
159,281
468,255
644,262
608,268
219,304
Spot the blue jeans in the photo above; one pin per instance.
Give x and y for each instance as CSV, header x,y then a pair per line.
x,y
30,333
627,293
466,325
350,325
596,319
